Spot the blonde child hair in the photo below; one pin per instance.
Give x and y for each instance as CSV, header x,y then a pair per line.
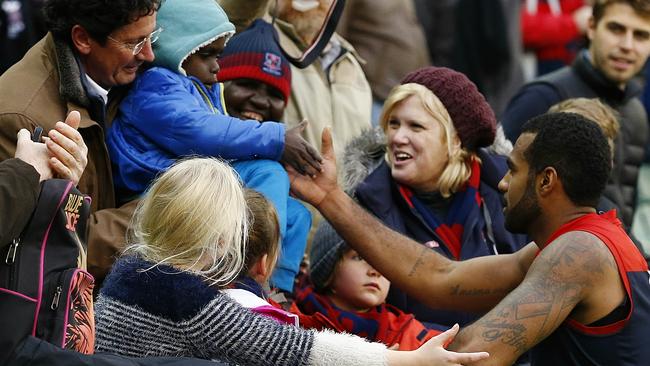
x,y
593,109
194,217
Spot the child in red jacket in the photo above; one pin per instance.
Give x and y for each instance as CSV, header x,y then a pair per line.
x,y
348,295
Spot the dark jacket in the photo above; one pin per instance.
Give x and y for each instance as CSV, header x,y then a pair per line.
x,y
582,80
484,230
37,352
19,189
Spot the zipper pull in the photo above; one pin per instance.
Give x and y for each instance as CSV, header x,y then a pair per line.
x,y
11,253
57,296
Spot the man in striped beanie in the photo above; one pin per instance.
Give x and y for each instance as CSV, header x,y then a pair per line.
x,y
257,76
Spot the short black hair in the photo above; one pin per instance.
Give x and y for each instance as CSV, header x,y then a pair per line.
x,y
578,150
98,17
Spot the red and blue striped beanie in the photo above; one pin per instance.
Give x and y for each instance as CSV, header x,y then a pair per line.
x,y
254,54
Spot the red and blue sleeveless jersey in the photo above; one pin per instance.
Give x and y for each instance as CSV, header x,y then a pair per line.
x,y
623,342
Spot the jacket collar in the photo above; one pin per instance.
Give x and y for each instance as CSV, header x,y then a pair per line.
x,y
70,75
599,82
158,289
71,83
376,191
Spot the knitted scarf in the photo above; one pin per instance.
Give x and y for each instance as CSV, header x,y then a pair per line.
x,y
383,323
450,230
362,324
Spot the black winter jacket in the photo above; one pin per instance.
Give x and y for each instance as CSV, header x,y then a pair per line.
x,y
582,80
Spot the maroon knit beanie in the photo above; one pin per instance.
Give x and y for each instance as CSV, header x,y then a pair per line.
x,y
470,113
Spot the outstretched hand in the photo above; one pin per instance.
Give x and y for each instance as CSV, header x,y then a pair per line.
x,y
68,152
435,348
34,154
433,352
298,153
313,190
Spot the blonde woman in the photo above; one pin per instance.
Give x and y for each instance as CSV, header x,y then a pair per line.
x,y
163,296
428,176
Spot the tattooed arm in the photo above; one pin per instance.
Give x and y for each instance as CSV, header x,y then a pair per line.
x,y
474,285
477,284
574,276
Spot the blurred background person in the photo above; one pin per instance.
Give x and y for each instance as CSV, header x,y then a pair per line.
x,y
384,32
481,39
21,26
554,31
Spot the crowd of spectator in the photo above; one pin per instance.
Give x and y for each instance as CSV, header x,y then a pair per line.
x,y
477,216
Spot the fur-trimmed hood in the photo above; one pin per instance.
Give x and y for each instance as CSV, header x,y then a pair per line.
x,y
366,152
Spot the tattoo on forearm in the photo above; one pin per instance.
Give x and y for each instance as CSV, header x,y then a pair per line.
x,y
469,292
418,262
511,334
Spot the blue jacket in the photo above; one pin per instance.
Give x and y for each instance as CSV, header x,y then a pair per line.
x,y
166,116
378,193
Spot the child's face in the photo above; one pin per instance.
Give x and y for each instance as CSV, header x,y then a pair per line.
x,y
204,63
356,285
252,99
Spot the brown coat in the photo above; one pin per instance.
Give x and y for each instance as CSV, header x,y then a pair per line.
x,y
340,98
40,90
388,36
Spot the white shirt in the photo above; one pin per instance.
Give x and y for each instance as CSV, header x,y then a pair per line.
x,y
103,93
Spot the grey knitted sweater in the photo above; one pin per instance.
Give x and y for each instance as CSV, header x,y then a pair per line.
x,y
161,312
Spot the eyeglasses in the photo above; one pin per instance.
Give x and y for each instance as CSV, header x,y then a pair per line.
x,y
136,47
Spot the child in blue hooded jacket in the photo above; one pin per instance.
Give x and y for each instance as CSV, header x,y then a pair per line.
x,y
176,109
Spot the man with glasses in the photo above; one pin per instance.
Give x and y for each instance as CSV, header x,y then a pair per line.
x,y
93,50
136,47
